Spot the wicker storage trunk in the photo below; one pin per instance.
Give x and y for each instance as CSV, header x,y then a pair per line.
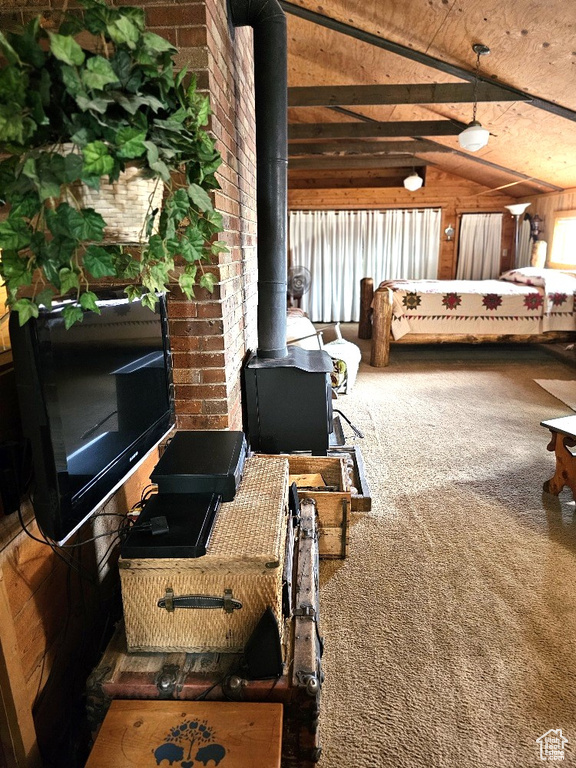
x,y
221,676
243,565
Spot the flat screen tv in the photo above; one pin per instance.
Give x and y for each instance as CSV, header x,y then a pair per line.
x,y
94,400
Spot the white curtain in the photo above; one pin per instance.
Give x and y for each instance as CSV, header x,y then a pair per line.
x,y
479,248
341,247
524,245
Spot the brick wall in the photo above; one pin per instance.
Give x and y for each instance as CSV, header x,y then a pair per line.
x,y
210,335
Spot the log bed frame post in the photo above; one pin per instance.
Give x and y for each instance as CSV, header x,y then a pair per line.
x,y
366,296
381,321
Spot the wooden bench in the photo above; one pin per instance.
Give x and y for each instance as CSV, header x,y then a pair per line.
x,y
563,442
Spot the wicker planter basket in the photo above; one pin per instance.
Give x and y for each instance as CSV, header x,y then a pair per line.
x,y
124,205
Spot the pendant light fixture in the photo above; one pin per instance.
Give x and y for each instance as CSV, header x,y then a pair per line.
x,y
413,182
474,137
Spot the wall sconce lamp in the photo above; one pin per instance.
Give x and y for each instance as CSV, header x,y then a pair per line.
x,y
413,182
474,137
449,232
517,210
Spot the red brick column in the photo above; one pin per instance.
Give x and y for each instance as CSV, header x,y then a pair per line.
x,y
210,335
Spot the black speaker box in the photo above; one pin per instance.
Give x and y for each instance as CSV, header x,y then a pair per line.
x,y
263,651
202,462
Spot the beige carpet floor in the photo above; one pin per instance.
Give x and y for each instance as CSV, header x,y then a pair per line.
x,y
451,628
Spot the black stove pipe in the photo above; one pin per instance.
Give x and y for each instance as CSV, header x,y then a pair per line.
x,y
268,21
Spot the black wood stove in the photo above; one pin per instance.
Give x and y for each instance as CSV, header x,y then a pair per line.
x,y
287,394
289,402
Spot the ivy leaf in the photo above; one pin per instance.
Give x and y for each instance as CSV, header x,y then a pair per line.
x,y
131,142
14,269
14,235
8,51
187,282
99,104
204,111
97,159
12,124
99,262
131,269
200,197
219,246
88,302
73,81
65,221
207,280
72,314
68,280
98,73
66,49
215,219
93,225
26,309
149,300
192,244
44,298
133,291
73,165
123,31
26,206
156,44
161,169
178,205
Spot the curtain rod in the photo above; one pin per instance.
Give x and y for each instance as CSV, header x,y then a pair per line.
x,y
361,210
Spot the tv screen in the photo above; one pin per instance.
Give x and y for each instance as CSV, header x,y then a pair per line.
x,y
94,400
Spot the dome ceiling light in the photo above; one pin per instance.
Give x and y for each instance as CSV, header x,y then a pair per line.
x,y
474,137
413,182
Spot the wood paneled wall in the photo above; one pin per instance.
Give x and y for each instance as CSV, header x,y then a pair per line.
x,y
52,620
452,194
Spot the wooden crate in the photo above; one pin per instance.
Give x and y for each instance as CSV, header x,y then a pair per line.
x,y
140,733
310,473
361,496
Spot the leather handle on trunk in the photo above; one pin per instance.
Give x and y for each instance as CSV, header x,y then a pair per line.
x,y
170,601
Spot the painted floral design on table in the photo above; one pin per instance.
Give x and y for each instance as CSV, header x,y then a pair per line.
x,y
183,739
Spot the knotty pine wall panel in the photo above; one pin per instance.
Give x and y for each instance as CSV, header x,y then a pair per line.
x,y
452,194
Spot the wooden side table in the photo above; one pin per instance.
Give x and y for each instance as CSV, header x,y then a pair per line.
x,y
138,733
563,443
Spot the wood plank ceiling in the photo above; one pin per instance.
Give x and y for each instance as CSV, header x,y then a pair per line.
x,y
383,132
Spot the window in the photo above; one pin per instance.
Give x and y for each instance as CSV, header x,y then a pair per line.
x,y
563,249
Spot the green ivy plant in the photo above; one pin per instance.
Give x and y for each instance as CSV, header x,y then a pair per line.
x,y
109,87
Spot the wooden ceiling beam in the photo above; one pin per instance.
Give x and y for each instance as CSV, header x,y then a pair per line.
x,y
348,182
364,147
373,130
422,58
468,155
353,163
429,93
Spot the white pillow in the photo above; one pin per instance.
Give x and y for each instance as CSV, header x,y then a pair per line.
x,y
527,275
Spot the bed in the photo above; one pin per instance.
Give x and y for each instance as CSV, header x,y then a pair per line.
x,y
528,305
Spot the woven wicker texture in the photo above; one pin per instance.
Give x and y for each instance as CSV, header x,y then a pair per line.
x,y
124,205
150,628
245,555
